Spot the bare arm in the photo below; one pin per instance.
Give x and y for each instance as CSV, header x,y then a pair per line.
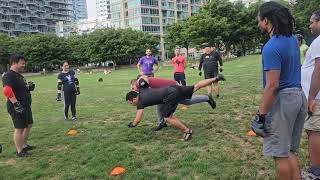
x,y
139,69
272,79
156,68
314,86
138,117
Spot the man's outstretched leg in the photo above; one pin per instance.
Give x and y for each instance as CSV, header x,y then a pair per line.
x,y
206,82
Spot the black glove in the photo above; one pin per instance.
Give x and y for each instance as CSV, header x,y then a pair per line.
x,y
130,125
221,70
77,90
258,125
18,107
31,86
220,77
200,73
143,83
59,97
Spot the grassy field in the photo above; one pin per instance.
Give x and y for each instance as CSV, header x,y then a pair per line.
x,y
220,148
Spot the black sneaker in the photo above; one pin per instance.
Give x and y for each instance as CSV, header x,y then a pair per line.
x,y
23,154
0,148
28,148
161,126
74,118
212,102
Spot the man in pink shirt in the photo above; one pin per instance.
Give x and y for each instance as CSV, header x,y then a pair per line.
x,y
179,63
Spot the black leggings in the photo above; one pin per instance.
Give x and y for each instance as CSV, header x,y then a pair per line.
x,y
70,98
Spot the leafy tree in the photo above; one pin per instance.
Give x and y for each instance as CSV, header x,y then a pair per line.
x,y
5,50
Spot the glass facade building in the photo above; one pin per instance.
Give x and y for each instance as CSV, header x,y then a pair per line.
x,y
34,16
103,8
151,15
80,9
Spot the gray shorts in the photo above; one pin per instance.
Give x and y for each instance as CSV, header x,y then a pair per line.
x,y
285,123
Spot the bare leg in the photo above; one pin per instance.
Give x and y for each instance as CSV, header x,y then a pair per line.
x,y
26,132
177,123
209,89
204,83
216,87
314,147
288,167
296,174
18,139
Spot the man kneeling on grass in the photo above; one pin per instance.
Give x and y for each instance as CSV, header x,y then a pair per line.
x,y
169,97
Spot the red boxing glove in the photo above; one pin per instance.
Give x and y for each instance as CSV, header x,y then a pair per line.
x,y
8,92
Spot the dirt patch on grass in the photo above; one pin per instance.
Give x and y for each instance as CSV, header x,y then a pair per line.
x,y
9,162
58,148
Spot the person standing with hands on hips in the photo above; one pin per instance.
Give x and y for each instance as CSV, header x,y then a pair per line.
x,y
147,62
68,88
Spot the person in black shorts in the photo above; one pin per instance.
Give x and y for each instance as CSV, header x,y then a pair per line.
x,y
210,61
17,91
68,87
169,97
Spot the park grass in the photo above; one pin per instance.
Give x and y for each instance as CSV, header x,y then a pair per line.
x,y
220,148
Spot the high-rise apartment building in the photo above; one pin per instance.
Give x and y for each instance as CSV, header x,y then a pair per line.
x,y
103,8
151,15
34,16
80,9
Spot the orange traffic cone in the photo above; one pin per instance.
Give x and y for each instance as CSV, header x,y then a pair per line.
x,y
251,133
117,171
72,132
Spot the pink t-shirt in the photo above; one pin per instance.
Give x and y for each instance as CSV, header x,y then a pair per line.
x,y
179,63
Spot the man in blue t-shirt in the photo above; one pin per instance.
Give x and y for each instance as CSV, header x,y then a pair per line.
x,y
283,108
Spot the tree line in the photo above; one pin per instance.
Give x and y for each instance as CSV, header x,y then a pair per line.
x,y
232,26
48,50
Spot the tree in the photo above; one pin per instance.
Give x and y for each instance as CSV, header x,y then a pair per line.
x,y
5,51
177,35
302,10
42,51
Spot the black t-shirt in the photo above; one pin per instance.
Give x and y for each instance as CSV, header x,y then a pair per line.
x,y
211,61
150,97
19,86
68,80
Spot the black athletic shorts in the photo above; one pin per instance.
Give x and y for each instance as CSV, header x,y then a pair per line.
x,y
211,74
176,95
21,121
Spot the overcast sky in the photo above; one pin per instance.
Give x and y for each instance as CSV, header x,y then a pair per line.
x,y
91,5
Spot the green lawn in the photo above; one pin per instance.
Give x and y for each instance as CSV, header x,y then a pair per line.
x,y
220,148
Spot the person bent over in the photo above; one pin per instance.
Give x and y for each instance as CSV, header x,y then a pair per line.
x,y
169,97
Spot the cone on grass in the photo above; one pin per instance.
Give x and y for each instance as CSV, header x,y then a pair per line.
x,y
117,171
251,133
72,132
